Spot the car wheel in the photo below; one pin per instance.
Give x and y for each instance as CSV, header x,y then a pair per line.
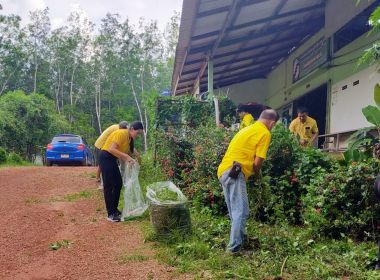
x,y
85,161
48,163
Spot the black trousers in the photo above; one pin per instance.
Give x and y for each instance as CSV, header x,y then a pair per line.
x,y
112,181
376,188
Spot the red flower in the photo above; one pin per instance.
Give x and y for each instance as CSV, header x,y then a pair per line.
x,y
318,210
368,178
295,173
212,201
334,189
378,227
354,163
285,171
368,208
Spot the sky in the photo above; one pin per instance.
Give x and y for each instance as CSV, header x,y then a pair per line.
x,y
160,10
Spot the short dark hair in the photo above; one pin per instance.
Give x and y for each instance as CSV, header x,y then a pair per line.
x,y
270,114
241,108
302,109
137,125
123,125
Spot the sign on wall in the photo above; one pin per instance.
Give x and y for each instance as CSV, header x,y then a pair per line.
x,y
311,59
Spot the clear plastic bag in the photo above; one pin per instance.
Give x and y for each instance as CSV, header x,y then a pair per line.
x,y
134,202
168,209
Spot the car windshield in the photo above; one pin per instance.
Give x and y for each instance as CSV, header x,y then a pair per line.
x,y
66,139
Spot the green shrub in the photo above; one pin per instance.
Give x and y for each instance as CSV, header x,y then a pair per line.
x,y
288,169
14,159
3,156
343,202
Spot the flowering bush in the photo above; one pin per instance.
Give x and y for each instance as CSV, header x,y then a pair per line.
x,y
191,157
297,185
290,168
343,201
202,184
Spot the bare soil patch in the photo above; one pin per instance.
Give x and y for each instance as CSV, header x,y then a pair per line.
x,y
43,205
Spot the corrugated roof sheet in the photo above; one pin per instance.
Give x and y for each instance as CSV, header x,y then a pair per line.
x,y
245,38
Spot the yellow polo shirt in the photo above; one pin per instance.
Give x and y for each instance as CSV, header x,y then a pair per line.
x,y
250,142
120,137
247,121
304,130
103,137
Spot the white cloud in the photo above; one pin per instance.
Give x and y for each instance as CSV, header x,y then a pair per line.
x,y
96,9
56,23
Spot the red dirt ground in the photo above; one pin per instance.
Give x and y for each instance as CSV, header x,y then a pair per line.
x,y
35,213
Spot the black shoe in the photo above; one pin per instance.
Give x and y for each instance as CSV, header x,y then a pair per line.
x,y
118,212
113,218
377,267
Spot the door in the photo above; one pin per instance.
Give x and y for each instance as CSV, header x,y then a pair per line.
x,y
316,102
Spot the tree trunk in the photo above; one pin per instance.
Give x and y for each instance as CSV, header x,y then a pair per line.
x,y
97,102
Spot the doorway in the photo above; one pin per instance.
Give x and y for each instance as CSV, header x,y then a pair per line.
x,y
316,102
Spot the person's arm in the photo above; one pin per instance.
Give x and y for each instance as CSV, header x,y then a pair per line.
x,y
257,167
315,130
292,129
124,157
136,153
314,137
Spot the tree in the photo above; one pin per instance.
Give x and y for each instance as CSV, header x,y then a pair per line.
x,y
12,57
29,121
37,33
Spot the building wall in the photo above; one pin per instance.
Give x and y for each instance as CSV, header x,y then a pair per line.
x,y
249,91
341,66
336,19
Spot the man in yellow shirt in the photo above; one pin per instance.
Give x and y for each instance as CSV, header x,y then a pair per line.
x,y
304,126
246,118
249,147
102,140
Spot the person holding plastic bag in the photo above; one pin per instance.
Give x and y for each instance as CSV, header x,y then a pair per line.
x,y
117,145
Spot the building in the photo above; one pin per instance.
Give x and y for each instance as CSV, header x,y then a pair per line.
x,y
281,53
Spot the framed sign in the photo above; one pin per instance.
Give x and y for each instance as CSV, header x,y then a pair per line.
x,y
310,60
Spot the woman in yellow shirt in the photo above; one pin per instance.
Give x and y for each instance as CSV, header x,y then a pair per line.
x,y
117,145
246,117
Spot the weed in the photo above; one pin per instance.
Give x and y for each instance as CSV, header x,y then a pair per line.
x,y
63,244
27,200
76,196
61,214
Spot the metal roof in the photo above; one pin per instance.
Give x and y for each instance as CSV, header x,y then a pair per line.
x,y
245,38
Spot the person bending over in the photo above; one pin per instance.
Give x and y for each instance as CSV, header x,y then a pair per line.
x,y
118,144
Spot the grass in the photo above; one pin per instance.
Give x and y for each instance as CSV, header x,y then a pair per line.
x,y
88,175
281,251
76,196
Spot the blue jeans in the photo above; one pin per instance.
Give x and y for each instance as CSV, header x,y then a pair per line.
x,y
235,194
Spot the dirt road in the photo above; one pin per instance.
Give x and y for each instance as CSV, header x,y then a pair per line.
x,y
43,205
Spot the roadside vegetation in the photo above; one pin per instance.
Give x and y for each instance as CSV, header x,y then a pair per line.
x,y
311,218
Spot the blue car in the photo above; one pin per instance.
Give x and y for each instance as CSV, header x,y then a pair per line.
x,y
68,149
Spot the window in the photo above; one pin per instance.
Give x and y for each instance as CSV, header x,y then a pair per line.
x,y
354,29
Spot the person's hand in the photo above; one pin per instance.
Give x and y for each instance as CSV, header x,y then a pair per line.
x,y
126,158
303,142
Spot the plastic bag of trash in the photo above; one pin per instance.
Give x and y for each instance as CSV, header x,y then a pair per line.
x,y
134,202
168,209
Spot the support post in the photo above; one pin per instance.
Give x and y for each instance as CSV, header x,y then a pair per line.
x,y
211,77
